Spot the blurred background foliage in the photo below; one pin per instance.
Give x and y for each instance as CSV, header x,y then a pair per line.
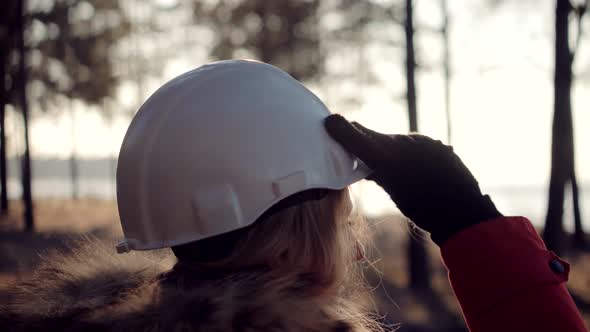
x,y
69,58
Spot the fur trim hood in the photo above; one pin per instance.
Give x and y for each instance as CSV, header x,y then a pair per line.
x,y
94,289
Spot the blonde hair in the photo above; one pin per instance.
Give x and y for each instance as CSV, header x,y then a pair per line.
x,y
318,240
314,238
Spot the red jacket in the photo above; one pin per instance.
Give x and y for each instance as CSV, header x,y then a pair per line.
x,y
506,280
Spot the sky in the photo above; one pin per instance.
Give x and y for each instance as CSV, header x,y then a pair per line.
x,y
501,95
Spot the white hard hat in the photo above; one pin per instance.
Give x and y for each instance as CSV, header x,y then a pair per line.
x,y
214,148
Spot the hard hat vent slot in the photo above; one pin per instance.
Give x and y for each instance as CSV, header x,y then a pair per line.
x,y
216,209
289,184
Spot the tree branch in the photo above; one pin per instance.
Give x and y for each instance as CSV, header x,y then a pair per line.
x,y
580,11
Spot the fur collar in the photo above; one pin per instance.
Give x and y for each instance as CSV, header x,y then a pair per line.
x,y
93,289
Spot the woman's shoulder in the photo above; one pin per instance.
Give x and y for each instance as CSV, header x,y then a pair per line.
x,y
91,288
69,287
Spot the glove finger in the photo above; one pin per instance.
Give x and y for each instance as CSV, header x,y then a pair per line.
x,y
353,140
430,142
394,145
382,138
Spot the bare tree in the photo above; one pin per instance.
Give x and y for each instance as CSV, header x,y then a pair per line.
x,y
580,240
22,79
3,164
283,33
3,102
562,147
7,41
446,65
417,257
69,61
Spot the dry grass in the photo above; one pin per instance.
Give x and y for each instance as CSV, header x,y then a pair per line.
x,y
58,215
58,224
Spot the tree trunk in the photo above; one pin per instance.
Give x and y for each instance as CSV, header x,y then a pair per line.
x,y
580,241
419,275
562,147
447,66
70,63
73,160
3,102
22,85
410,67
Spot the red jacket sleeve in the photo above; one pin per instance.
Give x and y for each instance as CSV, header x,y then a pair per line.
x,y
506,280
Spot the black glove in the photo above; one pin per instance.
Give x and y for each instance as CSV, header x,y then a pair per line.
x,y
425,178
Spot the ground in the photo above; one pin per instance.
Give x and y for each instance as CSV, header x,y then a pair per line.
x,y
60,222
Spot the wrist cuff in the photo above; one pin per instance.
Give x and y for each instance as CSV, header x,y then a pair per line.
x,y
480,210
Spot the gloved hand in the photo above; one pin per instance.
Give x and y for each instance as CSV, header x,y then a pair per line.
x,y
427,181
